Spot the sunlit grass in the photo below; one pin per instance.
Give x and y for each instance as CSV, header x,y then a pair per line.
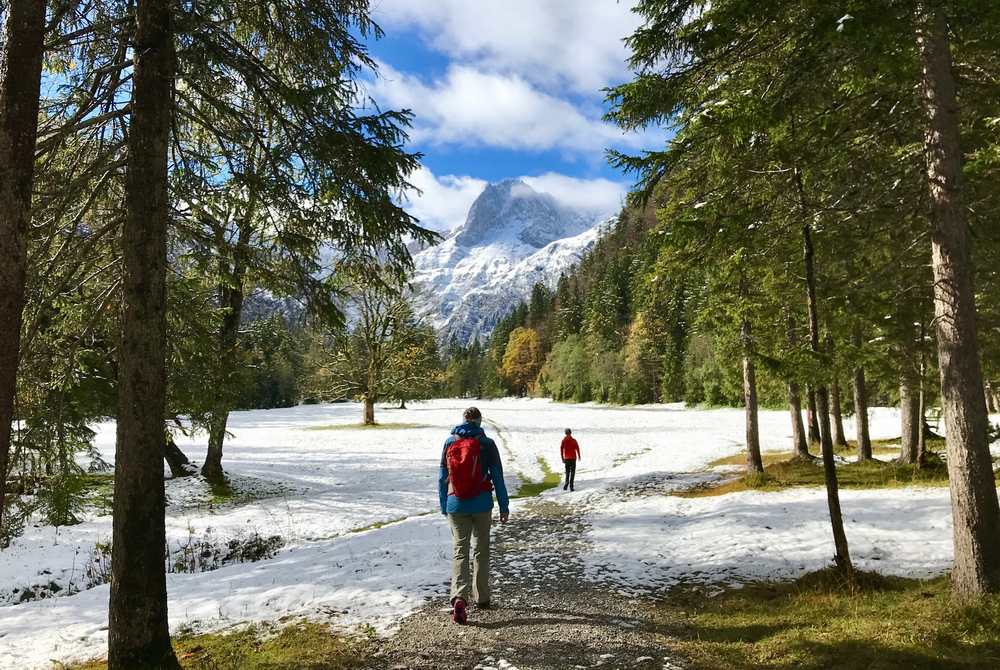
x,y
550,480
302,646
872,474
821,621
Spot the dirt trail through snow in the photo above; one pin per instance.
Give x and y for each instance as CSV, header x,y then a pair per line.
x,y
545,615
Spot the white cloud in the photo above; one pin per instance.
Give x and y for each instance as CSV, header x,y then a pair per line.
x,y
595,196
567,43
443,202
470,107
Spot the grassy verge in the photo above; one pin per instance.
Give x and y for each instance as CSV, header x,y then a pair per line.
x,y
782,475
304,646
222,491
782,471
818,622
370,426
550,480
882,448
740,458
382,524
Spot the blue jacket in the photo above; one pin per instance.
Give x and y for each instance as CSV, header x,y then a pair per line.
x,y
450,504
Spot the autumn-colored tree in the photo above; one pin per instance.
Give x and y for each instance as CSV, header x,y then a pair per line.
x,y
643,359
522,360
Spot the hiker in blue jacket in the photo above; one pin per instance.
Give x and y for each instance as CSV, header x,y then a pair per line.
x,y
470,473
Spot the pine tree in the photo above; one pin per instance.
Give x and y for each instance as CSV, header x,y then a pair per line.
x,y
975,507
20,82
138,636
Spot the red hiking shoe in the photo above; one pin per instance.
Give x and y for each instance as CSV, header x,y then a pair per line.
x,y
458,611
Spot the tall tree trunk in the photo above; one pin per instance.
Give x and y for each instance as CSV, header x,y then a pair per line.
x,y
211,469
402,403
369,411
837,414
909,422
843,556
755,464
975,511
138,636
861,407
232,272
799,445
811,418
20,81
231,298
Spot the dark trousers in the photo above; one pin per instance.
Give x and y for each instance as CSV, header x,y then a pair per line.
x,y
570,464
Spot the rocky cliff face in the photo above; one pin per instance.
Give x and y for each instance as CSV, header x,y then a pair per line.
x,y
512,238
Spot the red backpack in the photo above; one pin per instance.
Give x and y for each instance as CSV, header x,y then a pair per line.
x,y
465,469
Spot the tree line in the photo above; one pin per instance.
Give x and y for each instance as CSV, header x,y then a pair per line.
x,y
164,169
820,232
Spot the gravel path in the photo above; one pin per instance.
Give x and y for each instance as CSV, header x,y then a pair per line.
x,y
544,617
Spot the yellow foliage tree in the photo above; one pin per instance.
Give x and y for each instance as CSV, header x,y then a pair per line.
x,y
522,360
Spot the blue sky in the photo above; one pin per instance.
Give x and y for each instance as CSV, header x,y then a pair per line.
x,y
506,89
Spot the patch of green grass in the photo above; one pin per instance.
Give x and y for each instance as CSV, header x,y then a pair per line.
x,y
383,524
879,448
740,458
820,621
882,447
782,470
890,447
302,646
550,480
797,472
370,426
222,491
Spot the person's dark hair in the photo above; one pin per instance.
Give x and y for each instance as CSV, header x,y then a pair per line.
x,y
472,415
569,432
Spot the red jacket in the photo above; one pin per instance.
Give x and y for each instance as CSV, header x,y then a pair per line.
x,y
570,449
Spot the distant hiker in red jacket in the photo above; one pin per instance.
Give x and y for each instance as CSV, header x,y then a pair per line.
x,y
570,455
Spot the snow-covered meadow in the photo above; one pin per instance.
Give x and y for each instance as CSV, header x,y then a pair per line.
x,y
363,543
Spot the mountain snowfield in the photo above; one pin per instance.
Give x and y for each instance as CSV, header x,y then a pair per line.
x,y
513,238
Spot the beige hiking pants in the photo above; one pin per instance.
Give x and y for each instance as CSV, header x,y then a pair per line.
x,y
463,528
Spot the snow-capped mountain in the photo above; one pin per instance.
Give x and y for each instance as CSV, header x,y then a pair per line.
x,y
512,238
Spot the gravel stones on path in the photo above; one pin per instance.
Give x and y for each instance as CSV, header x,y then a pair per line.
x,y
545,616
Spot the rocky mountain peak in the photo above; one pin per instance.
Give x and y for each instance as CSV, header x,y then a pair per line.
x,y
511,209
512,237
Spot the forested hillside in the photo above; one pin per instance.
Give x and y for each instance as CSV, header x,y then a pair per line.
x,y
818,188
640,320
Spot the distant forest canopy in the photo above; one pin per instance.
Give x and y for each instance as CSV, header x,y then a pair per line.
x,y
638,322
